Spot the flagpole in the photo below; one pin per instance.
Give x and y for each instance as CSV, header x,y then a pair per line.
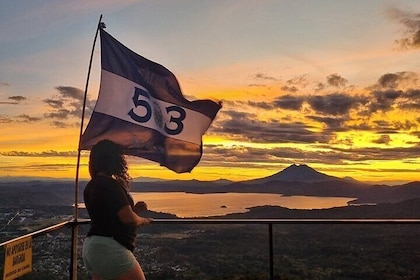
x,y
73,262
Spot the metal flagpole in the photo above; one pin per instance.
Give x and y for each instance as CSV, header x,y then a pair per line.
x,y
75,227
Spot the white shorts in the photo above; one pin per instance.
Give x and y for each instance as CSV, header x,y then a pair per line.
x,y
106,257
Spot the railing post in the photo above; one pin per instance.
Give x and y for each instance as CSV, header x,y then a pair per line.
x,y
270,240
73,259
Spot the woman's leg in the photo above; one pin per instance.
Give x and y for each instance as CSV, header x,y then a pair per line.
x,y
134,274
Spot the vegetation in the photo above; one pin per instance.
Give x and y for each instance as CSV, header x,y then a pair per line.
x,y
242,252
300,252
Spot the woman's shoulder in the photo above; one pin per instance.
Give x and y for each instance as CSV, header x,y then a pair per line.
x,y
102,181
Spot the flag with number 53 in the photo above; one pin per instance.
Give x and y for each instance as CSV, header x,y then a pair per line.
x,y
141,107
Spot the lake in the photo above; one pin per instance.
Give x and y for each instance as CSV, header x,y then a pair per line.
x,y
188,205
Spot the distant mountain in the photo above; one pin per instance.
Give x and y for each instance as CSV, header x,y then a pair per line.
x,y
11,179
146,179
293,180
295,173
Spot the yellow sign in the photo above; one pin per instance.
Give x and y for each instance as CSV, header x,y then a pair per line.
x,y
18,258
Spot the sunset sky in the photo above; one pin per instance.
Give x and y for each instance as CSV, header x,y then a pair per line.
x,y
332,84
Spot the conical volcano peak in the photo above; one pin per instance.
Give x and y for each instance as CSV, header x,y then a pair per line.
x,y
298,166
298,173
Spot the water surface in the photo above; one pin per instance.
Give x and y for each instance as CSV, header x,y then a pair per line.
x,y
188,205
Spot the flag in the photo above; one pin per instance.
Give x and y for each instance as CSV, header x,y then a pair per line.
x,y
140,106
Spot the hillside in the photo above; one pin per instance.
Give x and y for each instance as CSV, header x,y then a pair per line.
x,y
409,209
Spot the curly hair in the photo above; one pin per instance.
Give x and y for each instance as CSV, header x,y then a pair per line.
x,y
106,156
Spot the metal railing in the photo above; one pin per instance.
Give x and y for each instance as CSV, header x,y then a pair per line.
x,y
269,222
39,232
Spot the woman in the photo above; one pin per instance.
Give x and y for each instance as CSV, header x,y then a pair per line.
x,y
108,247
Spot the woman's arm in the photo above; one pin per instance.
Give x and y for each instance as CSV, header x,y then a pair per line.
x,y
129,217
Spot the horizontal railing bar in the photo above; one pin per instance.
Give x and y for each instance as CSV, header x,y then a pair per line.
x,y
39,232
276,221
228,221
285,221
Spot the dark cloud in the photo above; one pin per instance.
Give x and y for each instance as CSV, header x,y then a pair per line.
x,y
395,91
246,127
385,127
262,105
413,94
336,80
262,76
410,100
67,106
360,126
411,23
383,139
417,134
319,87
382,124
395,80
70,92
257,157
295,84
405,125
289,88
23,118
384,100
14,100
337,112
56,167
257,85
50,153
9,103
17,98
384,96
364,154
239,115
61,114
27,118
332,123
389,80
3,84
289,102
327,154
232,156
54,103
334,104
61,124
300,80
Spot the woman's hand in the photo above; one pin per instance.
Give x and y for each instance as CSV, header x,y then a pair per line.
x,y
146,221
129,217
140,206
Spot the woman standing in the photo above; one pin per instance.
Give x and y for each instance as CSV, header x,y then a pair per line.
x,y
108,247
